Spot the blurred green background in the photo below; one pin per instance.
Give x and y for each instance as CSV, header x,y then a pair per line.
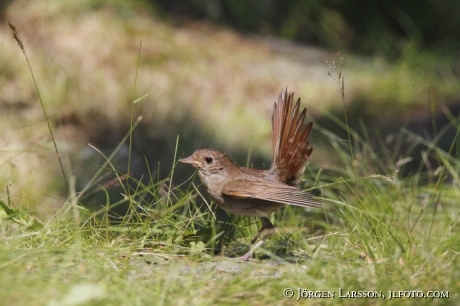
x,y
215,69
382,27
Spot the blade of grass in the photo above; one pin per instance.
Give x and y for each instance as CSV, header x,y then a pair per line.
x,y
131,123
21,45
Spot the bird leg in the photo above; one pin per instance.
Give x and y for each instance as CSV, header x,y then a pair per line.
x,y
266,225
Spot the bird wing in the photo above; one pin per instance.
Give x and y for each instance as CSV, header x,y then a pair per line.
x,y
273,192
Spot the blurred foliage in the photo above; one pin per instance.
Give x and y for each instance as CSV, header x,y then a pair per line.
x,y
380,27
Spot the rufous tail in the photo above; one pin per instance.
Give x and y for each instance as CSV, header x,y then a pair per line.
x,y
290,146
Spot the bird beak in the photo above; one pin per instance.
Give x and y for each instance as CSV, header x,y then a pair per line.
x,y
190,160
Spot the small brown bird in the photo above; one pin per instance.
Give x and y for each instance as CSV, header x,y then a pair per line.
x,y
258,193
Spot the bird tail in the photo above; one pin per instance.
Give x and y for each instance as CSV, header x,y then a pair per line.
x,y
290,146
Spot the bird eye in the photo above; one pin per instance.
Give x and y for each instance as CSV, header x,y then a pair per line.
x,y
209,159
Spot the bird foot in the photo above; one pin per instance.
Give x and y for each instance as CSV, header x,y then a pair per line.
x,y
246,256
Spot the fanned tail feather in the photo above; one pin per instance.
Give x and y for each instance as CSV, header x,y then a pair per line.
x,y
290,146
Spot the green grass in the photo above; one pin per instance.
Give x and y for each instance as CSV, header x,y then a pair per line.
x,y
380,229
378,232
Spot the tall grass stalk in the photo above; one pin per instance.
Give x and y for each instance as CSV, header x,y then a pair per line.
x,y
21,45
131,119
341,83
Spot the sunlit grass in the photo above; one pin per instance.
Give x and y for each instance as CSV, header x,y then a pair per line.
x,y
153,240
379,232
